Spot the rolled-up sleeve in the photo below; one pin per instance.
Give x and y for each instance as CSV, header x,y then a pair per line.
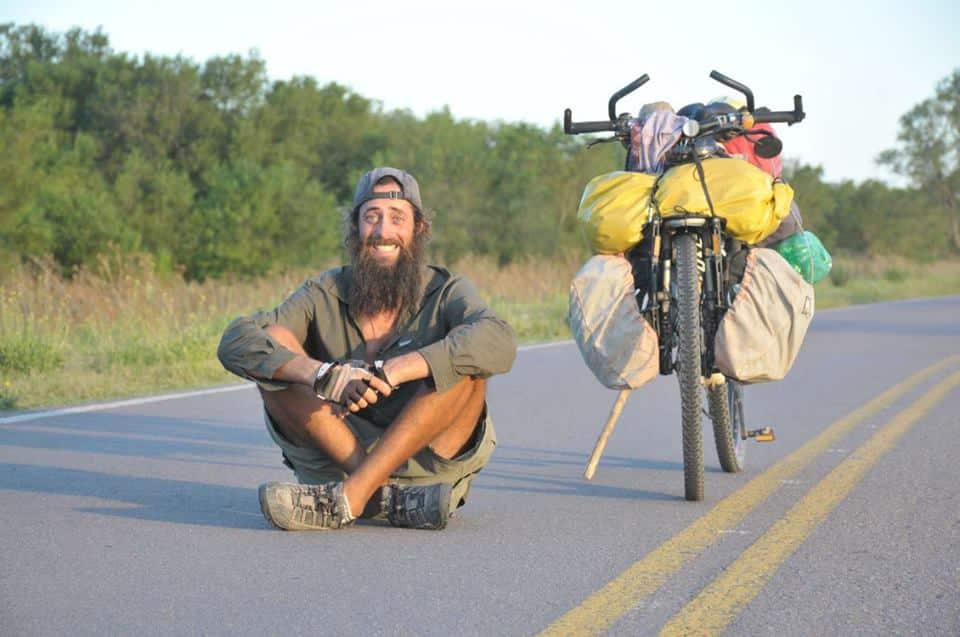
x,y
477,343
247,350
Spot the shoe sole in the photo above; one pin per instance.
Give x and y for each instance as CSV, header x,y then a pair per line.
x,y
264,507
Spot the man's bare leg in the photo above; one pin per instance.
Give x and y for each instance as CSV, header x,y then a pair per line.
x,y
309,422
444,420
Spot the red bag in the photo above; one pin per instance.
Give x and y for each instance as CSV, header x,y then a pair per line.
x,y
742,148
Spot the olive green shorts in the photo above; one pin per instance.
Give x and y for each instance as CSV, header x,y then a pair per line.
x,y
313,466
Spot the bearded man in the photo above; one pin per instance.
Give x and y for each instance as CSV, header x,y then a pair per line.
x,y
373,375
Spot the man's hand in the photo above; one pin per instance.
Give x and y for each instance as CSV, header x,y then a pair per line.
x,y
352,385
360,394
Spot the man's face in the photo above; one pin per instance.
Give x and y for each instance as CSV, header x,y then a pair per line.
x,y
385,225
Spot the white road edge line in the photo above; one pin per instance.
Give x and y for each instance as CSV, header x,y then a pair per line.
x,y
37,415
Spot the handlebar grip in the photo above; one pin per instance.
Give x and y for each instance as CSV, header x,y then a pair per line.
x,y
773,117
575,128
789,117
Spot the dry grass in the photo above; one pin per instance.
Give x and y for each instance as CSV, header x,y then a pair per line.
x,y
531,295
119,329
859,280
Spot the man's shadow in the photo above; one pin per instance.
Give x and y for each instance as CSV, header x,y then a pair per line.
x,y
90,437
152,437
157,499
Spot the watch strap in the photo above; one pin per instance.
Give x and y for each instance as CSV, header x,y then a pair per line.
x,y
320,382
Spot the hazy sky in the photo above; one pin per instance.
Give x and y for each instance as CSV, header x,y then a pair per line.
x,y
858,65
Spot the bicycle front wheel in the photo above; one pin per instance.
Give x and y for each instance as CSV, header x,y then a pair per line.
x,y
689,351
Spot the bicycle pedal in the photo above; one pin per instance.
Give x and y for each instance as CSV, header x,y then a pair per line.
x,y
762,435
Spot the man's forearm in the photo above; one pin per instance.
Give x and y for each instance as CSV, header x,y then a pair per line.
x,y
406,368
301,369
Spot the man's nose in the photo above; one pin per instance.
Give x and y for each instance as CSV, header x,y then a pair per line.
x,y
380,226
381,231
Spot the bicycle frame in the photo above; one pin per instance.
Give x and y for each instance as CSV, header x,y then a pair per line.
x,y
713,244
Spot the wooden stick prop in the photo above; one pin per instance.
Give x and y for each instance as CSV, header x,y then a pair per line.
x,y
605,434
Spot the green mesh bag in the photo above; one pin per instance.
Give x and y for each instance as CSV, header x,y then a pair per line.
x,y
806,254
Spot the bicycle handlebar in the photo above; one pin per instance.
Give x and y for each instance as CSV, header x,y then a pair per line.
x,y
629,88
789,117
575,128
621,128
735,85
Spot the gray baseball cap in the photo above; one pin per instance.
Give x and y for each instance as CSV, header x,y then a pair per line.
x,y
410,189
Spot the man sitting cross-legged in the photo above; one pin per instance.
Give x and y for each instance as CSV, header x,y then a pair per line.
x,y
373,375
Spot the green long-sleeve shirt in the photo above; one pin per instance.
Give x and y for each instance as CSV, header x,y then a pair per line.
x,y
451,327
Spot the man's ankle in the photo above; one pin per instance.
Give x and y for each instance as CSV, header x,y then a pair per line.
x,y
377,505
356,500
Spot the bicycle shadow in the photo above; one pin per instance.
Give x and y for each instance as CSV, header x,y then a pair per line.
x,y
522,482
530,457
559,486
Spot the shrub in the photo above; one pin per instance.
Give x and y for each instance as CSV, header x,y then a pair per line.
x,y
26,353
895,275
839,275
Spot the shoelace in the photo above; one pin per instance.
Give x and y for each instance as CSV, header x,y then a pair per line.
x,y
308,507
317,506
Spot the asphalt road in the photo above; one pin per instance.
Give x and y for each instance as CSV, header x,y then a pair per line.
x,y
143,518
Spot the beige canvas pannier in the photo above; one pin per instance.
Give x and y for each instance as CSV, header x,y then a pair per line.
x,y
617,344
761,334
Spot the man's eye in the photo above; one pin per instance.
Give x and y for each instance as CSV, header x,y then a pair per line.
x,y
399,219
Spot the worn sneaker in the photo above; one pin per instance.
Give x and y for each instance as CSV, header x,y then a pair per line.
x,y
304,507
418,506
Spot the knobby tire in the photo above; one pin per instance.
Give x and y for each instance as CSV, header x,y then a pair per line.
x,y
689,349
725,404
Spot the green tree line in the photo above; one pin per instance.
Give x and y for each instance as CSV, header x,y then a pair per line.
x,y
214,169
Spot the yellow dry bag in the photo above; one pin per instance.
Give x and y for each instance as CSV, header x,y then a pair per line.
x,y
613,210
748,198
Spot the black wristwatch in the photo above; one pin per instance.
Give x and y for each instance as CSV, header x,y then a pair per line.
x,y
320,379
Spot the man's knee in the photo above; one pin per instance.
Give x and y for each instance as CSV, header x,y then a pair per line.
x,y
471,385
295,408
467,396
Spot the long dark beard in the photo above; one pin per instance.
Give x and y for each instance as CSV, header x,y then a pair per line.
x,y
378,288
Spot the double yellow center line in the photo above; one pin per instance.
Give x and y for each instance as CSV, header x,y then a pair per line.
x,y
603,608
719,604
